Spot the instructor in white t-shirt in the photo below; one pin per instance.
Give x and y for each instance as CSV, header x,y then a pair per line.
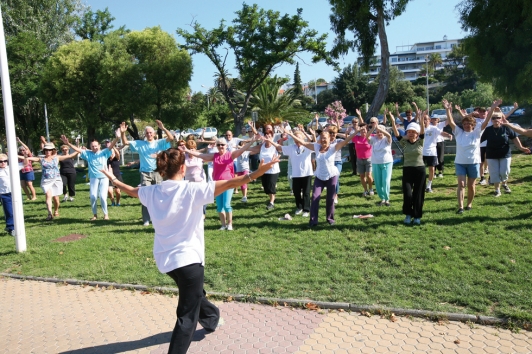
x,y
176,207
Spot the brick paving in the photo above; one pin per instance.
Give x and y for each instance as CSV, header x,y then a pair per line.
x,y
39,317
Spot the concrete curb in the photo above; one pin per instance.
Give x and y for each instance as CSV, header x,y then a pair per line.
x,y
432,315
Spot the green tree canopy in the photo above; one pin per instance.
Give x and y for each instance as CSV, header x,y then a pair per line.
x,y
366,19
351,87
499,45
260,40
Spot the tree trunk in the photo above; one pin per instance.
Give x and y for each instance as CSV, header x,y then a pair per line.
x,y
384,73
132,129
91,135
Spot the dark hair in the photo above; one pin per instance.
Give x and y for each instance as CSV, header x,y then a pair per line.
x,y
169,162
408,111
360,125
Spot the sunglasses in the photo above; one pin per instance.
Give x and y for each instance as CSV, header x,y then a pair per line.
x,y
3,161
495,118
220,145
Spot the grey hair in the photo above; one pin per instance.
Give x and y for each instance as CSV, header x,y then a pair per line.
x,y
148,126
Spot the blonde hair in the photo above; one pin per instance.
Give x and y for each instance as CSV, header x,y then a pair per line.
x,y
3,156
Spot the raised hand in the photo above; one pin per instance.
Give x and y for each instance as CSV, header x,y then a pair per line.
x,y
159,124
123,127
64,139
496,103
457,107
358,112
446,104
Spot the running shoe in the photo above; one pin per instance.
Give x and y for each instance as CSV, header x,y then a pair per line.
x,y
506,188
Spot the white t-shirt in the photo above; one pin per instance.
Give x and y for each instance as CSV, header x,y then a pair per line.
x,y
242,162
467,145
381,150
232,144
267,155
5,181
176,210
300,160
325,168
432,132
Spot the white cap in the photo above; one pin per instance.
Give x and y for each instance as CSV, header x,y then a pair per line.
x,y
414,126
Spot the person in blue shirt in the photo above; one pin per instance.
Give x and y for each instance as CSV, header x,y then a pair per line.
x,y
148,150
96,161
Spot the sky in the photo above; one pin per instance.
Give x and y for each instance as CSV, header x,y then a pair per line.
x,y
423,20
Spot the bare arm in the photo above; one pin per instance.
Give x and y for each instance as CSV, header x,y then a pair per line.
x,y
516,106
65,141
239,152
394,128
169,136
304,143
518,130
518,144
123,130
131,191
279,147
196,153
457,107
495,104
27,159
449,110
341,144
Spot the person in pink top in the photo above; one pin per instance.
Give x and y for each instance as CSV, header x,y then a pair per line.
x,y
223,170
363,152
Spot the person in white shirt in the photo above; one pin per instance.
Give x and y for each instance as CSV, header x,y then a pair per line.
x,y
179,246
430,153
301,172
326,174
267,152
467,160
5,195
241,169
381,161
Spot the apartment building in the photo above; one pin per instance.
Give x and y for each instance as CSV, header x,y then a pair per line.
x,y
410,58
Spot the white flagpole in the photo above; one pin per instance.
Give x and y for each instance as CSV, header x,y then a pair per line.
x,y
16,192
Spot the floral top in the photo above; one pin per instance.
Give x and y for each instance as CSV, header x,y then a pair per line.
x,y
50,169
28,167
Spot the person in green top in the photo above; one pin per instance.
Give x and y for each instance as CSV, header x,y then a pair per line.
x,y
414,173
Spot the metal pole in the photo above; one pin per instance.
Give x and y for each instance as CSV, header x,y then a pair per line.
x,y
46,119
427,65
16,192
315,91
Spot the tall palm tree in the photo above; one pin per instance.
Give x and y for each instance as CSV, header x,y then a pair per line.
x,y
434,59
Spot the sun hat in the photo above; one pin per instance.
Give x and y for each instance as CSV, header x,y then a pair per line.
x,y
49,146
221,141
413,126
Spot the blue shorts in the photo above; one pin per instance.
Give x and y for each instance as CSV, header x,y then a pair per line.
x,y
471,170
27,176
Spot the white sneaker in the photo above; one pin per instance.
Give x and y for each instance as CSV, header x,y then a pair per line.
x,y
147,223
371,192
222,228
440,175
365,194
305,214
230,227
299,211
65,198
335,200
71,199
244,200
506,188
497,193
483,182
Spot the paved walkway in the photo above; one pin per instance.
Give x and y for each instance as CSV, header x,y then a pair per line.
x,y
39,317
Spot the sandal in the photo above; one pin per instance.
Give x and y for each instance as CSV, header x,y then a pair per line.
x,y
93,218
56,213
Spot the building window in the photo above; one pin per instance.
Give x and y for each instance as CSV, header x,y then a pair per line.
x,y
394,60
438,47
429,48
453,45
420,49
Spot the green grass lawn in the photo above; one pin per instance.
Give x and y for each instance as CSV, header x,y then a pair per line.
x,y
478,263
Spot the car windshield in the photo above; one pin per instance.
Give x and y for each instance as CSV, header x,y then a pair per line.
x,y
322,119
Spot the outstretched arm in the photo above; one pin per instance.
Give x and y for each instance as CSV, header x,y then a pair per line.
x,y
169,136
341,144
302,142
394,127
449,110
516,106
222,186
196,153
65,141
518,130
131,191
518,145
494,105
239,152
123,130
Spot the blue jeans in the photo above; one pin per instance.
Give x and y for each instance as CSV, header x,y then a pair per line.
x,y
7,204
338,165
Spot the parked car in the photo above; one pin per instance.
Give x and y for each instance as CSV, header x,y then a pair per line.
x,y
210,133
346,123
186,132
322,122
470,110
439,113
518,113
